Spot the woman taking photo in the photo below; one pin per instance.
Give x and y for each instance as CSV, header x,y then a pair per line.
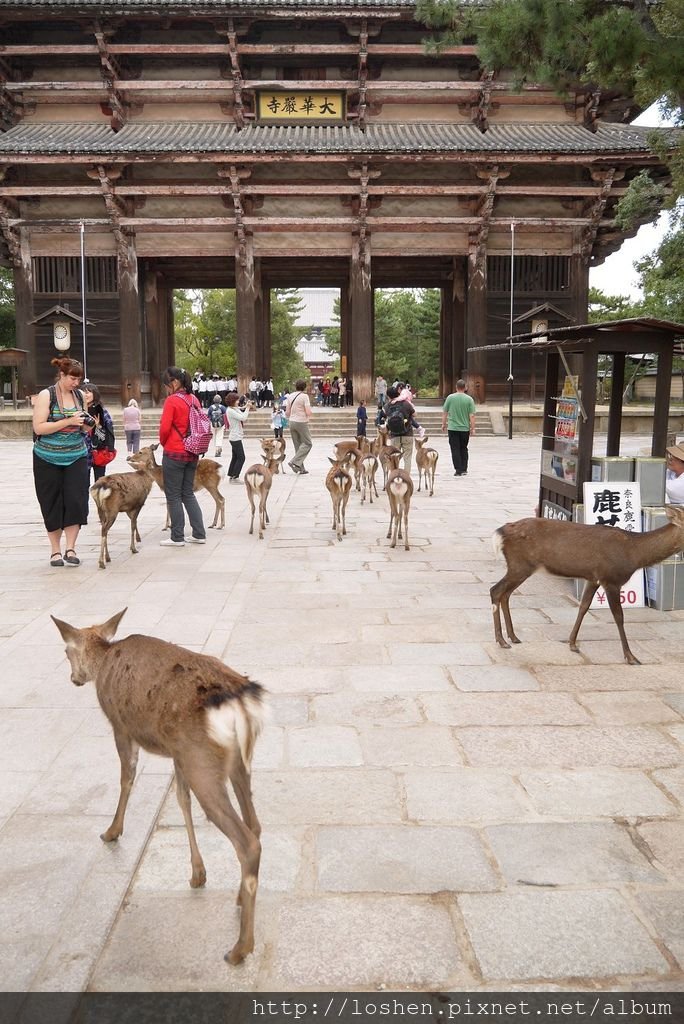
x,y
60,462
234,420
178,464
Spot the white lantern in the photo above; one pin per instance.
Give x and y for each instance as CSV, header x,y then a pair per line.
x,y
61,335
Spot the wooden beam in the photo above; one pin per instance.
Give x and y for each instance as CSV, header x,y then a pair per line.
x,y
219,50
217,85
111,73
306,188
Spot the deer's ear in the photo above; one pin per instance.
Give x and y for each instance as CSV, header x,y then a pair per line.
x,y
108,628
69,633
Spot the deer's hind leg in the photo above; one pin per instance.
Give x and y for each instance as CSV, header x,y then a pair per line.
x,y
128,755
199,874
209,787
613,595
590,588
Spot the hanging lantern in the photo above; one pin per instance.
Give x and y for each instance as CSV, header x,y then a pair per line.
x,y
61,335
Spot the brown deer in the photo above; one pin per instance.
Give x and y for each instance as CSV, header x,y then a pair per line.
x,y
399,491
369,467
339,484
273,453
379,441
603,556
197,711
389,460
258,482
207,477
426,461
120,492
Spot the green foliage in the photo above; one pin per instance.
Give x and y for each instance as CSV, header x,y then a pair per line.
x,y
406,337
612,307
662,279
7,311
632,47
205,332
642,203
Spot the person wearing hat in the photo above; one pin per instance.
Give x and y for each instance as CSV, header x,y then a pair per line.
x,y
674,483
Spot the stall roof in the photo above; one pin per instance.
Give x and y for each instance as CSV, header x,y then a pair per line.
x,y
636,329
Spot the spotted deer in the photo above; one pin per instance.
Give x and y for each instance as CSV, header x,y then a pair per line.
x,y
426,461
603,556
194,709
339,484
208,476
258,482
399,491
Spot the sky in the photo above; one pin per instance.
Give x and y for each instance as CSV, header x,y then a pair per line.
x,y
616,275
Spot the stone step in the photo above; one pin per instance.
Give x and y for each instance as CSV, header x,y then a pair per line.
x,y
324,422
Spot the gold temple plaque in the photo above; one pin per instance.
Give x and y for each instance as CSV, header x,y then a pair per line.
x,y
300,106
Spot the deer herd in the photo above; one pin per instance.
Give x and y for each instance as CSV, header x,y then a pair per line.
x,y
358,458
206,717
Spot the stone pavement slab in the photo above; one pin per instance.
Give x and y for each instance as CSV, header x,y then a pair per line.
x,y
437,812
551,935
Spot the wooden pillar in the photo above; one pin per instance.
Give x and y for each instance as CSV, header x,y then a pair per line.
x,y
662,399
130,321
247,298
476,324
586,440
347,367
167,326
452,330
263,324
156,351
25,331
579,288
617,384
361,321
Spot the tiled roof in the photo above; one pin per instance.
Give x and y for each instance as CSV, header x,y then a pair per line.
x,y
220,137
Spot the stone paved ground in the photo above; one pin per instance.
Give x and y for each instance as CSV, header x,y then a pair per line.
x,y
437,812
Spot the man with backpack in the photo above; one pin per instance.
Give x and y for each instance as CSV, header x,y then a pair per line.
x,y
399,413
217,418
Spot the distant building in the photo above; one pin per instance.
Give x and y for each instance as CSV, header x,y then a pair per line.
x,y
317,313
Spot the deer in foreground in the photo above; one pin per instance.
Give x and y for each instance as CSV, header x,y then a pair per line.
x,y
339,484
603,556
208,476
399,490
273,453
426,461
120,492
258,481
197,711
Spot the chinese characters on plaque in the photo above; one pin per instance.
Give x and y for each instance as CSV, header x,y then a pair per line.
x,y
300,106
616,504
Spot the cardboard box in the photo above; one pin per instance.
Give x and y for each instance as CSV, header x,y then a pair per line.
x,y
650,473
654,519
665,585
612,467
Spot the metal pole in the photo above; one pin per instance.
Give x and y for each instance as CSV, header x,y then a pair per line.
x,y
83,299
510,348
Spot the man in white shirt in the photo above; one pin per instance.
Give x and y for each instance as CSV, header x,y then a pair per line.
x,y
674,484
298,412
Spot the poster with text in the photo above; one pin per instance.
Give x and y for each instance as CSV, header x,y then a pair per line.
x,y
612,504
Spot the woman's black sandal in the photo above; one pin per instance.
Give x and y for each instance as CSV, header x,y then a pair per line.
x,y
71,558
56,559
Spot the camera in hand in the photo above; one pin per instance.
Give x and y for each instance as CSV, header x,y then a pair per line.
x,y
88,420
